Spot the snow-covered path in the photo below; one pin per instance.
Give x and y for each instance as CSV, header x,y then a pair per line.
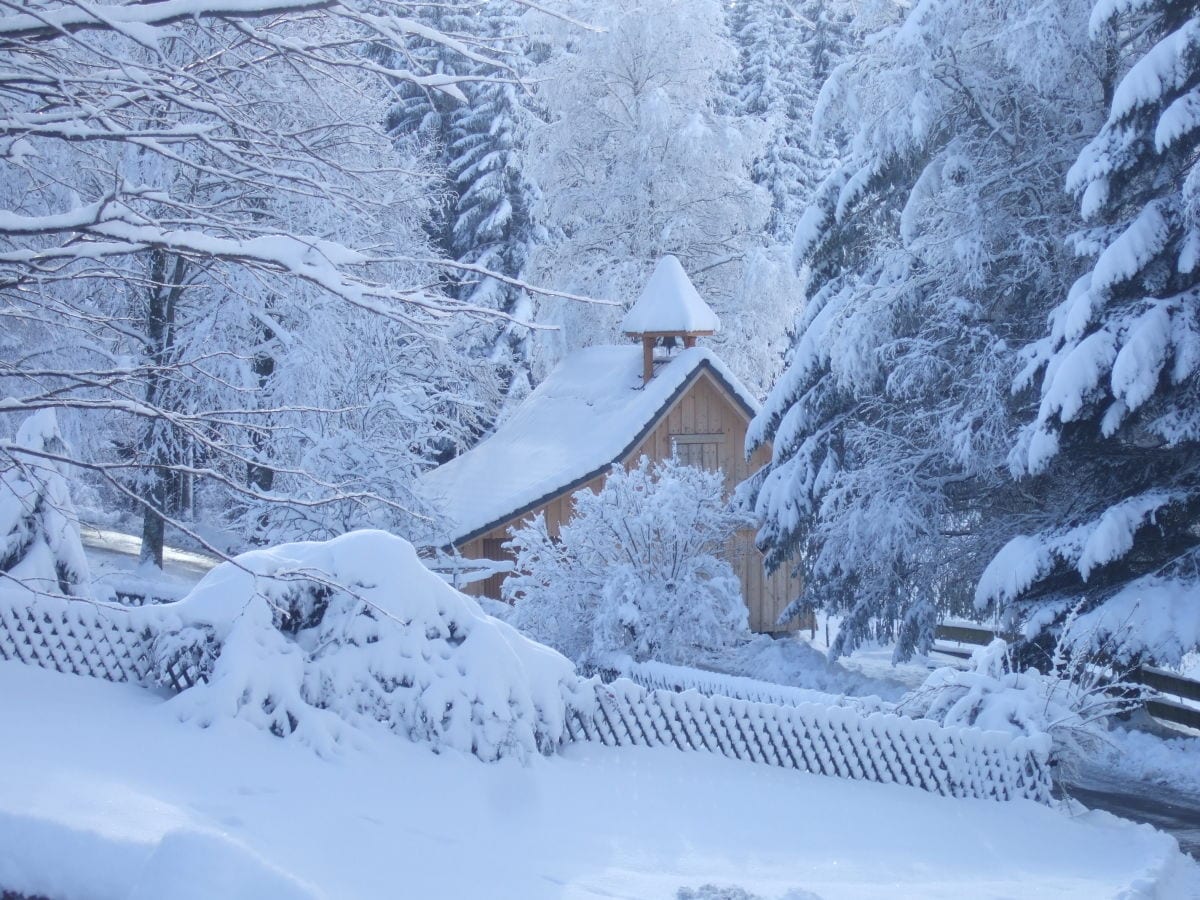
x,y
104,546
103,794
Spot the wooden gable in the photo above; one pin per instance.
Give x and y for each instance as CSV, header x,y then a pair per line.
x,y
704,424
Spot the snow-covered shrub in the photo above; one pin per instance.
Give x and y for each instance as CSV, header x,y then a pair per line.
x,y
1071,704
317,636
640,568
39,532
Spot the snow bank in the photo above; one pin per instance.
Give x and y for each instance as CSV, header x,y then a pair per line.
x,y
393,820
46,856
1174,762
314,636
661,676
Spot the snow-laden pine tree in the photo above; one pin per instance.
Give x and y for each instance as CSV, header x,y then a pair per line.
x,y
932,248
1114,445
420,117
493,224
40,547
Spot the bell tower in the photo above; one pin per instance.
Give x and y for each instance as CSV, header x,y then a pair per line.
x,y
668,312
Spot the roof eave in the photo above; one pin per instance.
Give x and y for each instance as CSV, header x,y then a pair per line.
x,y
683,331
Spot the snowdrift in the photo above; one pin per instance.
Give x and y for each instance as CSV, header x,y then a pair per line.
x,y
321,643
303,638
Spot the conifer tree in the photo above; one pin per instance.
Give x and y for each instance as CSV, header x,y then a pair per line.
x,y
930,249
1113,445
493,223
785,53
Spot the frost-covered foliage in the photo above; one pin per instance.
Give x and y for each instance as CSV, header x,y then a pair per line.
x,y
638,159
641,568
182,273
1117,426
932,247
383,414
483,216
40,548
1070,702
314,638
786,50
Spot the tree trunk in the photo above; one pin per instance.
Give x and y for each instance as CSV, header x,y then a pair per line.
x,y
258,475
161,301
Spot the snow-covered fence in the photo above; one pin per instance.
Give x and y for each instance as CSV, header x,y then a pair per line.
x,y
81,637
405,649
826,740
661,676
133,591
1178,706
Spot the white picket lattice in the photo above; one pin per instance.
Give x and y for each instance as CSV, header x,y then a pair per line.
x,y
81,637
661,676
118,644
826,740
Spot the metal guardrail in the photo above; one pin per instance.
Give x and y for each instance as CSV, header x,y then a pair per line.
x,y
1156,679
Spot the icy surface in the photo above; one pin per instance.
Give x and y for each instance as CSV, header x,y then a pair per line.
x,y
392,819
578,421
669,302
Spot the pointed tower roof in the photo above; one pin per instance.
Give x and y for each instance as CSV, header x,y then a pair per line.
x,y
670,304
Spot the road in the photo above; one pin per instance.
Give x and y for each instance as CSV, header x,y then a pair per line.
x,y
1172,811
120,546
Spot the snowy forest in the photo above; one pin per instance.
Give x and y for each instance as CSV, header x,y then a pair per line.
x,y
599,396
270,263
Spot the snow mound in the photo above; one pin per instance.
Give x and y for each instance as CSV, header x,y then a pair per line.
x,y
669,302
305,639
74,858
190,864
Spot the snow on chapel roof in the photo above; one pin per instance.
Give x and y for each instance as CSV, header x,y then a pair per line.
x,y
670,302
589,413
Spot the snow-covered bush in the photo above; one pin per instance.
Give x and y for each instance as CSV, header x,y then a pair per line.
x,y
640,568
39,531
307,639
1071,704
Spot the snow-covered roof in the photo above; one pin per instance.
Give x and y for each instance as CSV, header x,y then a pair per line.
x,y
670,302
590,412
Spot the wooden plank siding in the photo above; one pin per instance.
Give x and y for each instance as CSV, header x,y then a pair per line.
x,y
703,415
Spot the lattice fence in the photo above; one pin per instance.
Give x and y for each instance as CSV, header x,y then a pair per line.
x,y
119,644
659,676
80,637
826,740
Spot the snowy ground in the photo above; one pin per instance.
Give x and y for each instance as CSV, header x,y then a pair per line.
x,y
116,551
104,794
